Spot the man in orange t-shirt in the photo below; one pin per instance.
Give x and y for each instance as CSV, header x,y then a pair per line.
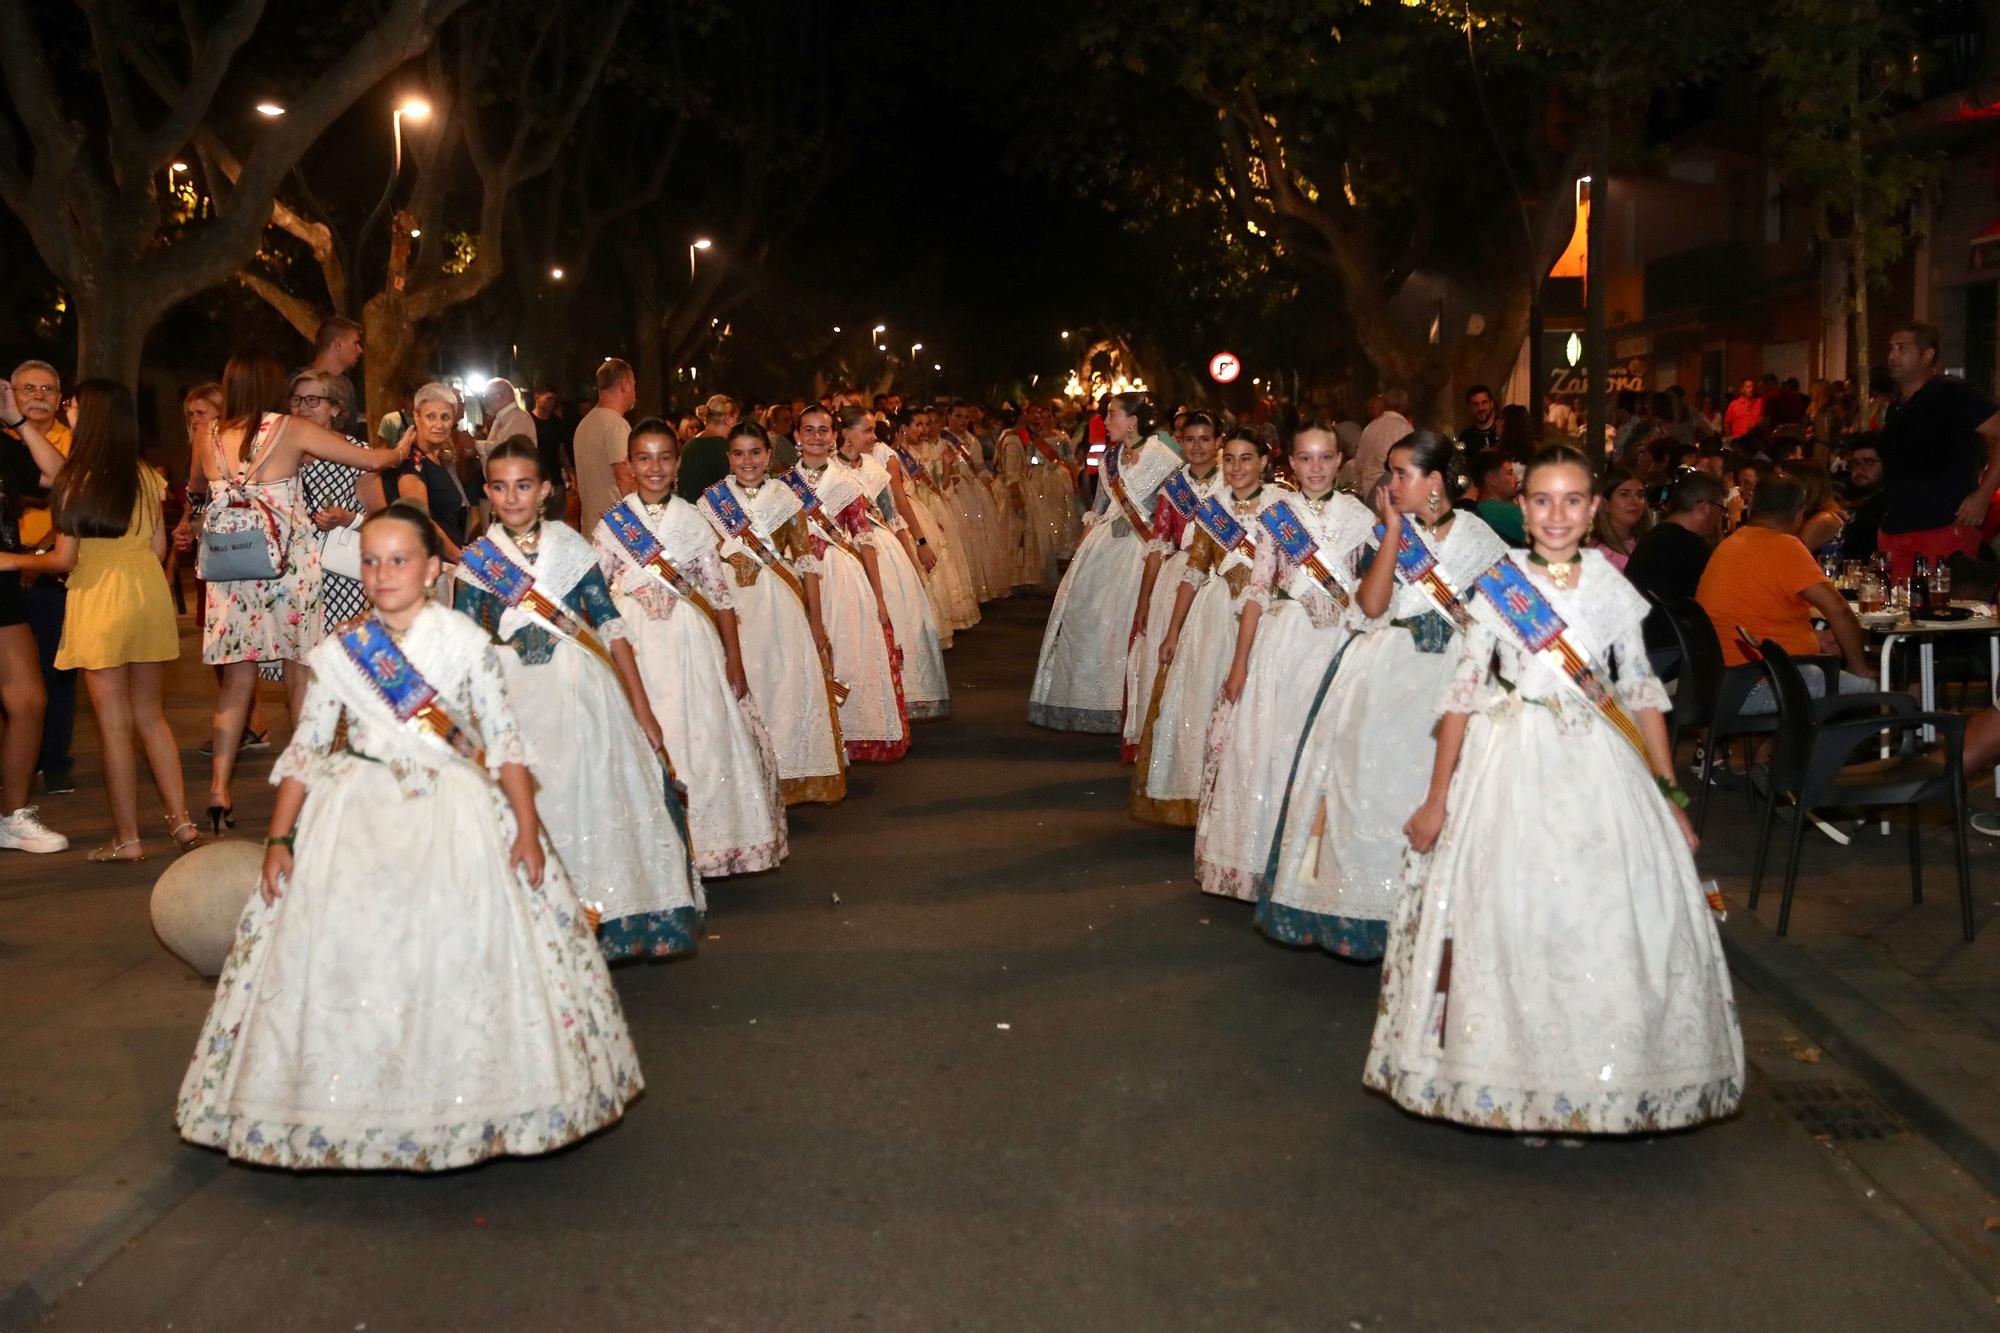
x,y
1763,579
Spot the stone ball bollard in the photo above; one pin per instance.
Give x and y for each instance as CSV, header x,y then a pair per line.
x,y
198,900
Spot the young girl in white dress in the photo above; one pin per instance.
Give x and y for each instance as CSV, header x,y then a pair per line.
x,y
970,483
1080,678
1166,561
673,594
761,530
1556,969
853,606
1032,561
416,987
599,758
926,692
950,580
1337,860
1199,641
1294,618
1053,481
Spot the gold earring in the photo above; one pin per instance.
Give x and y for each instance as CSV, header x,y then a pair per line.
x,y
430,584
1433,502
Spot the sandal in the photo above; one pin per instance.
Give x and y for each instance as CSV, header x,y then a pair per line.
x,y
114,851
175,827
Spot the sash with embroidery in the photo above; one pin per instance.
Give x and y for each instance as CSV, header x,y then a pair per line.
x,y
1297,543
397,682
1114,482
1542,631
1221,525
650,555
1417,566
1048,451
515,586
1179,493
914,469
815,510
736,523
959,445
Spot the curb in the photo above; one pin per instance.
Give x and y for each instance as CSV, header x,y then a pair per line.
x,y
52,1247
1938,1098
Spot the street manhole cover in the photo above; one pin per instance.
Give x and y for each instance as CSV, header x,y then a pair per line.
x,y
1840,1111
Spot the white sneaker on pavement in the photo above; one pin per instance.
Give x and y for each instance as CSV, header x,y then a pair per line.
x,y
24,832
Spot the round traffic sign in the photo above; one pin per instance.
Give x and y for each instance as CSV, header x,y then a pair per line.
x,y
1224,367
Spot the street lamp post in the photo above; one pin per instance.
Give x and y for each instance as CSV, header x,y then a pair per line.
x,y
703,243
416,108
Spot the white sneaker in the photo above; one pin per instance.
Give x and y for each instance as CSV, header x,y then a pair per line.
x,y
24,832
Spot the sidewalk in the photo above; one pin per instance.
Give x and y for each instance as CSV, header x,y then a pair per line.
x,y
1888,986
95,1028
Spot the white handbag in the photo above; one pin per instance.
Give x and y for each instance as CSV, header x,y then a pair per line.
x,y
340,551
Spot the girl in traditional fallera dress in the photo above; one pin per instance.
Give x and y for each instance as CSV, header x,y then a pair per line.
x,y
672,592
950,581
1166,561
971,486
1556,968
416,986
599,759
860,632
926,692
1053,484
1294,618
761,530
1199,641
1337,860
1080,678
1032,558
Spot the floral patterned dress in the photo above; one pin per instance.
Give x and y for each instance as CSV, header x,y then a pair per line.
x,y
410,1002
1556,968
268,620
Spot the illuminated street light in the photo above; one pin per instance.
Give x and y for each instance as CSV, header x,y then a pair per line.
x,y
936,366
914,349
416,232
556,274
1065,334
881,328
270,110
836,328
701,243
416,108
178,166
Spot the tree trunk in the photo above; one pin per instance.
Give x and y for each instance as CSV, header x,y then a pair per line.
x,y
390,341
1857,167
111,327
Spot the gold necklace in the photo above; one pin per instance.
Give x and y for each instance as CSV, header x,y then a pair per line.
x,y
528,540
1318,506
1561,575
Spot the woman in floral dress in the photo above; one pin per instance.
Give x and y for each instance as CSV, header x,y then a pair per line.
x,y
252,458
416,987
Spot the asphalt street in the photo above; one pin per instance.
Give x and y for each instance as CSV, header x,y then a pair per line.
x,y
979,1056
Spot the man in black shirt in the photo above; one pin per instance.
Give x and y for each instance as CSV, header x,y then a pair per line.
x,y
552,441
1865,497
1484,432
1670,559
1940,456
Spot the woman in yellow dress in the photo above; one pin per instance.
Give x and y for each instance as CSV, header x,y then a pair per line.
x,y
120,625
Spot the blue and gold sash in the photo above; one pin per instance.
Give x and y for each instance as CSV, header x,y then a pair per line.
x,y
1113,474
1179,492
1542,631
1298,544
913,467
1417,567
515,586
1221,525
647,552
736,523
816,510
397,682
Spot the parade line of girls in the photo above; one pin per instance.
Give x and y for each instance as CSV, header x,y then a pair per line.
x,y
1403,741
596,724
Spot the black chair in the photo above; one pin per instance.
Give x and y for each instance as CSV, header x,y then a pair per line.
x,y
1816,739
1713,695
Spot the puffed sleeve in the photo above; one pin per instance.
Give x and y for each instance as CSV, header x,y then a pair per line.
x,y
1266,568
469,599
1471,680
1638,688
705,573
854,518
312,738
794,544
591,600
486,687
